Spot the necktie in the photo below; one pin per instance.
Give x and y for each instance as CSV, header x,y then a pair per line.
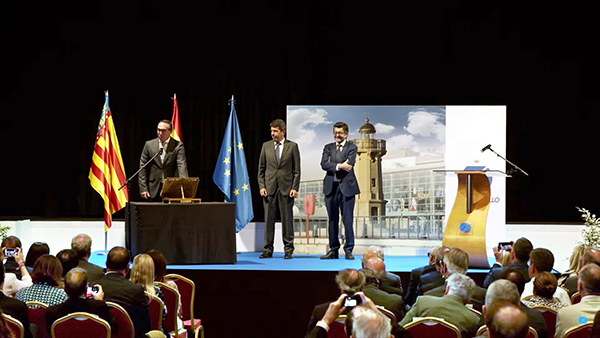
x,y
278,151
338,153
163,146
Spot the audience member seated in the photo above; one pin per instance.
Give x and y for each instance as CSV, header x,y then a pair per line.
x,y
427,277
47,276
11,283
15,308
392,302
68,259
505,320
10,265
584,311
535,317
119,290
519,252
544,287
457,261
160,267
543,260
36,250
389,282
82,244
596,326
451,307
575,264
335,309
590,255
76,286
349,282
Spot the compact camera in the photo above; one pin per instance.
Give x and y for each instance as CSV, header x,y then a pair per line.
x,y
352,301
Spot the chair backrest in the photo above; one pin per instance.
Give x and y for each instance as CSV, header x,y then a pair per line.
x,y
479,314
576,298
549,316
532,333
187,291
584,330
432,327
156,311
387,313
337,328
14,326
36,312
171,299
125,328
80,324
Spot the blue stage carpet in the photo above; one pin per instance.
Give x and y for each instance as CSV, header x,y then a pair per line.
x,y
300,262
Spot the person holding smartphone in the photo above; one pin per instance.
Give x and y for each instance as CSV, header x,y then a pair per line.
x,y
12,284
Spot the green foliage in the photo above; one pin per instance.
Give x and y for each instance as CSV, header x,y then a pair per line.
x,y
3,231
591,232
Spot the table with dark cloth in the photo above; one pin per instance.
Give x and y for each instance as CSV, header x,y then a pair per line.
x,y
187,233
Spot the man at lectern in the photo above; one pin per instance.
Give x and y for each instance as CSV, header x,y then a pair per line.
x,y
167,157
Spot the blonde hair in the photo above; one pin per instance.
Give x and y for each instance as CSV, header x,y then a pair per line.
x,y
575,260
142,273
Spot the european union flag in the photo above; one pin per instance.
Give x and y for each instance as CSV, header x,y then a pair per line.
x,y
231,173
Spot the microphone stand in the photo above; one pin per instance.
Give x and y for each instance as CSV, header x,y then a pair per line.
x,y
137,172
515,167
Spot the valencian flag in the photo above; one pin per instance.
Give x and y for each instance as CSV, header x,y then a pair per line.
x,y
231,172
175,121
107,173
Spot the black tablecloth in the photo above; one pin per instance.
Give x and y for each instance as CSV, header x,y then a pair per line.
x,y
187,233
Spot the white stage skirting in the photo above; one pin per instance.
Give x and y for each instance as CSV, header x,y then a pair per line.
x,y
559,238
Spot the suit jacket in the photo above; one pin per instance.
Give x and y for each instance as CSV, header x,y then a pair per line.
x,y
131,296
71,305
389,301
347,179
16,309
569,316
93,271
283,175
477,297
174,165
571,285
391,284
496,271
450,308
422,280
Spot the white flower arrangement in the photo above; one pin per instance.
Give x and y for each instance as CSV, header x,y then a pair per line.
x,y
591,232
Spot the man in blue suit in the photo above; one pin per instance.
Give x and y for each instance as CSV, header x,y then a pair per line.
x,y
340,188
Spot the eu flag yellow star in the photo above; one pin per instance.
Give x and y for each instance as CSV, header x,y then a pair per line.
x,y
246,187
227,172
240,146
236,192
226,161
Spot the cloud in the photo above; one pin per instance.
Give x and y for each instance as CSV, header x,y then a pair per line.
x,y
384,129
404,141
426,124
300,123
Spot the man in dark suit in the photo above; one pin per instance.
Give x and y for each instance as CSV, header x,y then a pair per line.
x,y
279,182
519,253
14,307
118,289
82,245
427,277
372,289
340,188
76,286
170,161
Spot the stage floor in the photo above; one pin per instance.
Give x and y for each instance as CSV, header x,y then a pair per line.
x,y
300,262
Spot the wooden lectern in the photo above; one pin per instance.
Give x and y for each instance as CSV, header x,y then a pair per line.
x,y
180,190
466,225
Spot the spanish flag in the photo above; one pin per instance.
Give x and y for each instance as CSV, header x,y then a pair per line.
x,y
107,173
175,121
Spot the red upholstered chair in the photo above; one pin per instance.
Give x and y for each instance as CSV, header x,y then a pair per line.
x,y
432,327
125,328
579,331
575,298
80,324
187,290
532,333
337,328
171,299
549,316
14,326
387,313
156,311
36,312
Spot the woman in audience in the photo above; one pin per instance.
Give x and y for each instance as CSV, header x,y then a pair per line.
x,y
544,287
12,284
47,276
142,274
574,264
36,250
